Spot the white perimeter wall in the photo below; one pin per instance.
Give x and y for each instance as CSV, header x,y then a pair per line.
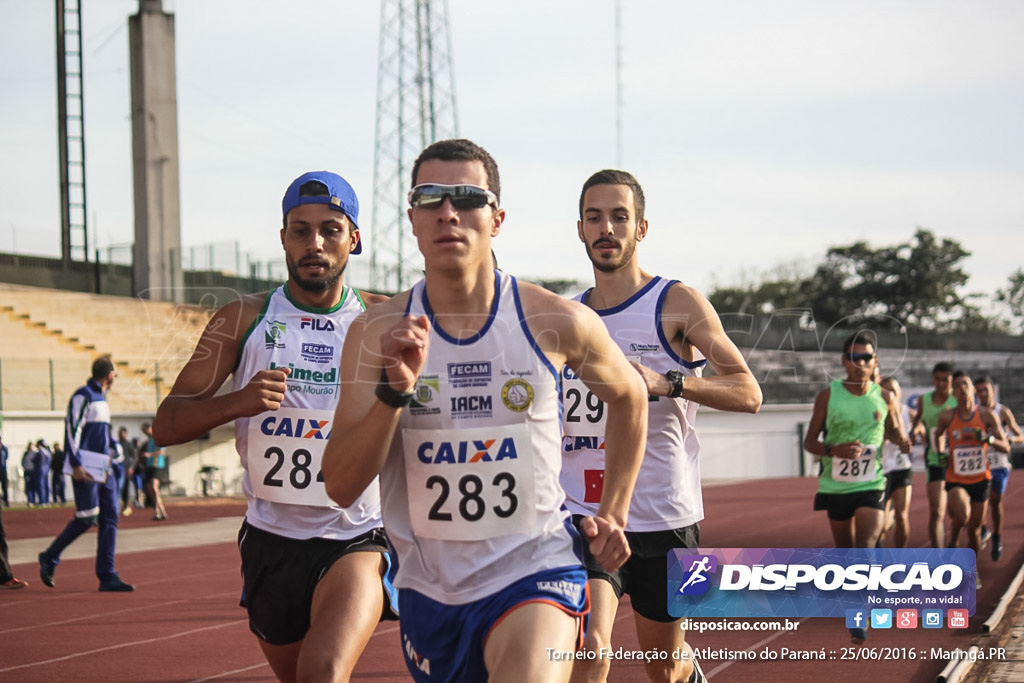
x,y
733,446
744,446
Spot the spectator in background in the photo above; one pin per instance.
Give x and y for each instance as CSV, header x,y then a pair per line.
x,y
139,476
117,469
57,474
44,459
155,461
133,479
89,446
29,463
4,453
7,579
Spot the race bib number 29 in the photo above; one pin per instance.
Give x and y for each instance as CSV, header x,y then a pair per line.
x,y
286,448
470,484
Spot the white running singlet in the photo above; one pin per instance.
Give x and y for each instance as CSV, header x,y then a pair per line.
x,y
470,484
997,460
667,494
281,449
893,459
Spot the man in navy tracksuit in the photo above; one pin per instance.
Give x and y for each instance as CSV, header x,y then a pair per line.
x,y
88,443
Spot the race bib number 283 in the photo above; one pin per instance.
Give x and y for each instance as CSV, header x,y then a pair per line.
x,y
470,484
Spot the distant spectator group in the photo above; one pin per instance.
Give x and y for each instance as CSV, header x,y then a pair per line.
x,y
43,469
45,481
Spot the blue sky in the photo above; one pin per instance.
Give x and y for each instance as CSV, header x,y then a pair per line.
x,y
763,132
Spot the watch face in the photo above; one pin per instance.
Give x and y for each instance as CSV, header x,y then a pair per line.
x,y
676,379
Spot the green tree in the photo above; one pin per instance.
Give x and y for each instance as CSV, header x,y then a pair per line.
x,y
914,284
1013,298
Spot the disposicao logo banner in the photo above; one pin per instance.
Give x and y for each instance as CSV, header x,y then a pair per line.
x,y
817,582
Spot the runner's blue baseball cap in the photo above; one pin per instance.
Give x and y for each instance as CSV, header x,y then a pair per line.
x,y
340,197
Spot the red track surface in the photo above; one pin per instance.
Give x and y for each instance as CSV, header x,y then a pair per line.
x,y
183,622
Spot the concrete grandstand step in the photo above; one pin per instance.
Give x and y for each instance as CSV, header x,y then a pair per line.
x,y
149,341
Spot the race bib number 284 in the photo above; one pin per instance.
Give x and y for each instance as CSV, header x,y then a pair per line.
x,y
286,448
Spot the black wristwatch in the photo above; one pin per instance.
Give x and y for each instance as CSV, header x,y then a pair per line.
x,y
388,396
676,379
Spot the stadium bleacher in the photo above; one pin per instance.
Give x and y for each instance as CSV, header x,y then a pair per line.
x,y
49,338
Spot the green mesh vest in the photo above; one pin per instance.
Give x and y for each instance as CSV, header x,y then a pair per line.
x,y
854,418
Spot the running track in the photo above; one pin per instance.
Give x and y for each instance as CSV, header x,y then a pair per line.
x,y
183,624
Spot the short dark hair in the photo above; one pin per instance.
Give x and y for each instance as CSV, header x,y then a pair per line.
x,y
610,176
460,149
860,337
984,379
961,373
943,366
101,367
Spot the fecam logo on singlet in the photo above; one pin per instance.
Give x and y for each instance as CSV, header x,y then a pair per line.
x,y
317,353
469,374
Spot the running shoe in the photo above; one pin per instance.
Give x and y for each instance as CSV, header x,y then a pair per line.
x,y
698,673
997,546
116,585
46,569
14,584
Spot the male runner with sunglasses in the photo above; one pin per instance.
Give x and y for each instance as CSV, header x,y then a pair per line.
x,y
451,394
311,570
669,332
850,420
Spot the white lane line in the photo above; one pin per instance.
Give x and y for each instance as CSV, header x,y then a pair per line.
x,y
120,646
264,664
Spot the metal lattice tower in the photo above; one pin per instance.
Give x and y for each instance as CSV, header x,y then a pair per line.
x,y
74,234
415,107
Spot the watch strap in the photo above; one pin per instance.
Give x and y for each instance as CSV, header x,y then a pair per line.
x,y
388,396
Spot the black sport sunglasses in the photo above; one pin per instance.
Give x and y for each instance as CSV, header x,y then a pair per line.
x,y
431,196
